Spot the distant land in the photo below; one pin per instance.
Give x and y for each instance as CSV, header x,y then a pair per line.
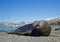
x,y
51,21
54,21
11,24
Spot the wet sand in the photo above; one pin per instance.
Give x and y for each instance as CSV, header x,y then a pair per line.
x,y
54,37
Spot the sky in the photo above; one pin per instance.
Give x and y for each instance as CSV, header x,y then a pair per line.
x,y
28,10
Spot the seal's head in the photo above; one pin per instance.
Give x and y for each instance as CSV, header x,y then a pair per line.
x,y
43,27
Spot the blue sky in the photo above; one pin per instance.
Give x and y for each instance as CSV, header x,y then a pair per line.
x,y
28,10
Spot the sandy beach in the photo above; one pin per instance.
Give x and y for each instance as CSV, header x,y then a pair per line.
x,y
54,37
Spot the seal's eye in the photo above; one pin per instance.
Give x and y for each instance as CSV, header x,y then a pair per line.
x,y
36,25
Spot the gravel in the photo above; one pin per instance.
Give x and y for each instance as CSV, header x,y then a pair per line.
x,y
54,37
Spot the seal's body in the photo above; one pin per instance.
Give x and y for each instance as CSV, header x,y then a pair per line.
x,y
37,28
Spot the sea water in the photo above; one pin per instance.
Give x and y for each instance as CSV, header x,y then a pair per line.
x,y
20,29
55,26
8,29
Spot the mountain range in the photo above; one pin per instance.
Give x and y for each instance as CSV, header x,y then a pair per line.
x,y
53,18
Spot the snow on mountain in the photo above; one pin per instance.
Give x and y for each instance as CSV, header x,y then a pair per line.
x,y
53,18
47,19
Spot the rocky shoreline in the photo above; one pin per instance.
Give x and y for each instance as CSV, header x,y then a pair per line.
x,y
54,37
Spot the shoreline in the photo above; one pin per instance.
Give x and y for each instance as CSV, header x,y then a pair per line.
x,y
54,37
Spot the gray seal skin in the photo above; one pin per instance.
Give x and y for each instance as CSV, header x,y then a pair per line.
x,y
42,27
37,28
24,30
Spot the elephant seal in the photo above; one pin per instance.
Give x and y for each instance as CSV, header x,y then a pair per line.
x,y
37,28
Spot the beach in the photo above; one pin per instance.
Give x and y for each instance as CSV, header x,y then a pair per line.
x,y
54,37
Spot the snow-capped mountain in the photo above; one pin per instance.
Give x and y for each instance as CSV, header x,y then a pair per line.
x,y
57,18
47,19
53,18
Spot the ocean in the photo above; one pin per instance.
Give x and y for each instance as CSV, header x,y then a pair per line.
x,y
55,26
8,29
